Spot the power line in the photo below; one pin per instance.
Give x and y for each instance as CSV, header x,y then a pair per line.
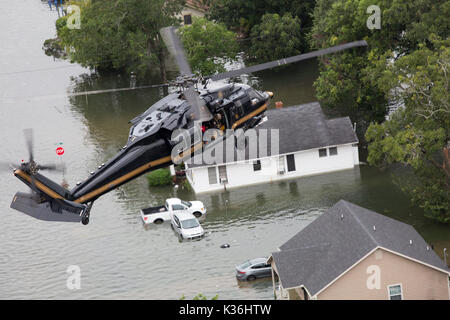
x,y
85,93
36,70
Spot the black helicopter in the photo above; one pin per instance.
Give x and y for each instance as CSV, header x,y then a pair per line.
x,y
149,144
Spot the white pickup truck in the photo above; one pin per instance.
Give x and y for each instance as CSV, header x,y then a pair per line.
x,y
164,213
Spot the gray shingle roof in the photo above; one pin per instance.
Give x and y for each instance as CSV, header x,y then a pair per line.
x,y
338,239
301,127
304,127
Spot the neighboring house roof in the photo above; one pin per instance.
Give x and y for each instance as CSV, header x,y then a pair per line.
x,y
340,238
301,127
197,4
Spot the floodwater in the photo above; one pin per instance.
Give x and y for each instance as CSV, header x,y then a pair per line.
x,y
117,256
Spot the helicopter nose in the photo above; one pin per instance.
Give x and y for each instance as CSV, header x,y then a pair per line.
x,y
270,93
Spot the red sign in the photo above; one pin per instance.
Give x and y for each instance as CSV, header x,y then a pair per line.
x,y
60,151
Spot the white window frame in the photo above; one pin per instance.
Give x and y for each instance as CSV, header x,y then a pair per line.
x,y
395,285
329,151
221,177
255,162
287,163
281,164
215,173
326,152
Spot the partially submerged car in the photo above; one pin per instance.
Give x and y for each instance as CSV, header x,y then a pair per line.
x,y
163,213
253,269
186,225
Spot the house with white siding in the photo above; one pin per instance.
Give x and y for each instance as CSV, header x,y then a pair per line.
x,y
309,144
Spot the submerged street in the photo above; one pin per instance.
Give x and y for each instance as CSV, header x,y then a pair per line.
x,y
118,257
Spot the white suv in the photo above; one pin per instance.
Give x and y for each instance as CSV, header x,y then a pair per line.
x,y
186,225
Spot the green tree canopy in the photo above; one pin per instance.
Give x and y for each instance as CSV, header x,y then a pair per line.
x,y
406,61
276,37
418,134
349,79
209,46
121,34
244,15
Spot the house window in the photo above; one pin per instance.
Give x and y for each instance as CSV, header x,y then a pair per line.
x,y
281,165
223,178
256,165
187,19
395,292
322,153
290,162
333,151
212,175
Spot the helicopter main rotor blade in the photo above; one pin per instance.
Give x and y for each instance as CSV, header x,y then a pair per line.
x,y
29,141
83,93
176,49
273,64
201,112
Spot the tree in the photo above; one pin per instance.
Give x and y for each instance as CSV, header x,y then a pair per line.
x,y
200,296
244,15
418,134
208,45
349,79
121,35
276,37
405,62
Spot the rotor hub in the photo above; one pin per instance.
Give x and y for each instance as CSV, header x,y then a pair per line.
x,y
33,167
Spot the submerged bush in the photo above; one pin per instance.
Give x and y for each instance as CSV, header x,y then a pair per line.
x,y
160,177
187,185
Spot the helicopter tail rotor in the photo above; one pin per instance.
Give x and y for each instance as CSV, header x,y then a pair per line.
x,y
47,201
31,167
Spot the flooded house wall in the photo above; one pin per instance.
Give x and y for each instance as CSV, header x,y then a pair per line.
x,y
306,163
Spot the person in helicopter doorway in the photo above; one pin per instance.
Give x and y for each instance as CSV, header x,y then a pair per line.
x,y
218,123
